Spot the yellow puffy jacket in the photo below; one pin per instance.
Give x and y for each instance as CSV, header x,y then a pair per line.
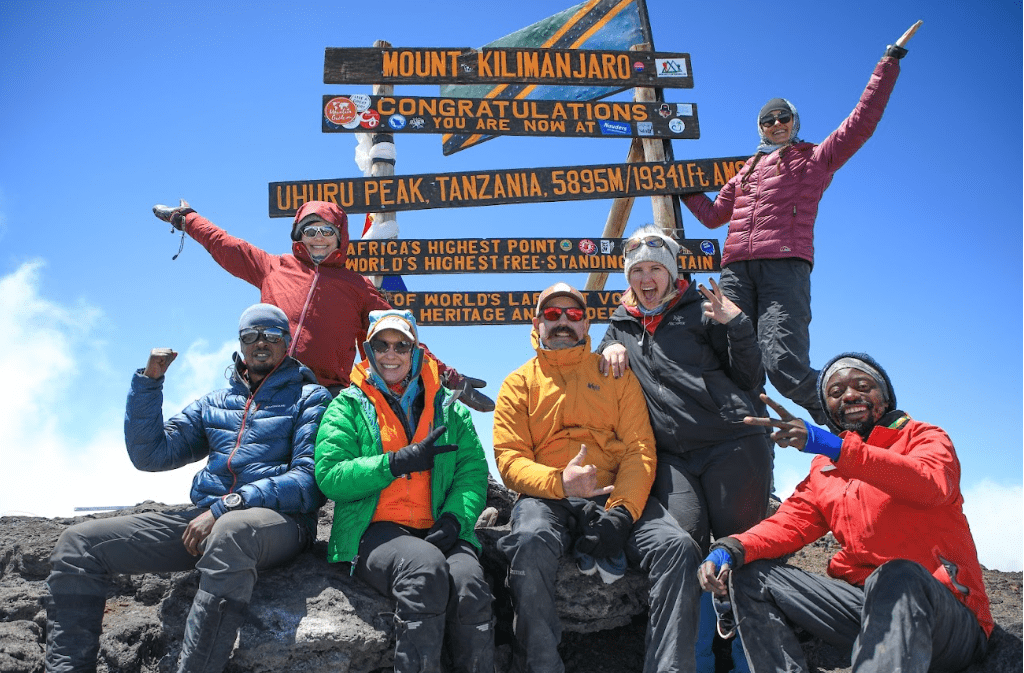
x,y
559,401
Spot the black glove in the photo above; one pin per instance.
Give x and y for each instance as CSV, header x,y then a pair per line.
x,y
445,532
176,216
465,390
607,531
587,537
895,51
418,457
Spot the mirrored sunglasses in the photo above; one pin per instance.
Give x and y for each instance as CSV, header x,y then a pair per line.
x,y
650,241
380,346
312,230
553,313
271,335
769,121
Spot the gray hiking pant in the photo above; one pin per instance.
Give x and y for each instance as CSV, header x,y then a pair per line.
x,y
88,554
902,620
241,542
441,597
776,294
542,532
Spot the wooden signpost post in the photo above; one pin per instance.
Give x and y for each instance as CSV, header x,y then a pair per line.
x,y
514,106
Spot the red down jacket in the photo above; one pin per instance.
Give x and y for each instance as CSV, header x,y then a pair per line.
x,y
326,304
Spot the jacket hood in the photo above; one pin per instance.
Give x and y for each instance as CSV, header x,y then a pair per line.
x,y
329,213
872,364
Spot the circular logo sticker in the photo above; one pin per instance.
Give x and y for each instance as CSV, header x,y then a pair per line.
x,y
566,246
676,125
707,247
369,119
588,247
397,122
638,66
361,101
340,111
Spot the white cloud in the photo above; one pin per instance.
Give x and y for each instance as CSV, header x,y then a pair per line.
x,y
56,463
996,515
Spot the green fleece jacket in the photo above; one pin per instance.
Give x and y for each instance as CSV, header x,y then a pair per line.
x,y
352,470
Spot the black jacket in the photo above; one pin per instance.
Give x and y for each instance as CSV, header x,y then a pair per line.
x,y
699,376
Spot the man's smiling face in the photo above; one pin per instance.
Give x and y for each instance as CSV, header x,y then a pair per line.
x,y
854,400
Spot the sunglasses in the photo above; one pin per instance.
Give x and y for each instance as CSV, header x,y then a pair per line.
x,y
769,121
312,230
271,335
650,241
380,346
553,313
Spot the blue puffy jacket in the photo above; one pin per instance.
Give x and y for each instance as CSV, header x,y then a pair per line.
x,y
260,446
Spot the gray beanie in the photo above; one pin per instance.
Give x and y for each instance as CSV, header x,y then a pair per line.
x,y
263,315
779,104
667,255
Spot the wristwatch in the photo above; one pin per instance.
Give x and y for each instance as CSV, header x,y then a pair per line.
x,y
232,501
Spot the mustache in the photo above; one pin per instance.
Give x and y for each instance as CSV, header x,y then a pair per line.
x,y
563,331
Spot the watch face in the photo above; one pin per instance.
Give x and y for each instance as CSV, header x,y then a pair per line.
x,y
232,500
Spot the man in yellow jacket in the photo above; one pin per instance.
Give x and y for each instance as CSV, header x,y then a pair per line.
x,y
578,448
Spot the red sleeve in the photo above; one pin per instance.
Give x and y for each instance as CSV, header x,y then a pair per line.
x,y
798,522
855,130
715,213
239,258
926,473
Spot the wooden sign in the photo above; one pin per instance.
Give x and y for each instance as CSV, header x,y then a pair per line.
x,y
491,307
511,255
360,113
529,65
503,186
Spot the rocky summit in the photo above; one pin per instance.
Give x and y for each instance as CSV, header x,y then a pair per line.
x,y
310,617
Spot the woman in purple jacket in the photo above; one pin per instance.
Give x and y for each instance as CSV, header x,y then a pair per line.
x,y
771,205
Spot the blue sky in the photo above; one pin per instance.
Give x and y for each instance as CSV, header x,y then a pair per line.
x,y
107,109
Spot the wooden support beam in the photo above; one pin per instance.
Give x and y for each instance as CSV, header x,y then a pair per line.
x,y
618,215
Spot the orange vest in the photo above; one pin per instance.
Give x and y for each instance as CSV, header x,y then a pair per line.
x,y
407,499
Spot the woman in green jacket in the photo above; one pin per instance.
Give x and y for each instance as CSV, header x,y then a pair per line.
x,y
407,473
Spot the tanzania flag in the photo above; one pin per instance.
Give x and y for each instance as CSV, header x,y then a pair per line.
x,y
596,24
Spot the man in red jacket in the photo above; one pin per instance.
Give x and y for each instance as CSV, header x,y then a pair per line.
x,y
327,304
909,595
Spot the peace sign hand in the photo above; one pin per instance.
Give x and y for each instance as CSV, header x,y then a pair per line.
x,y
717,306
791,430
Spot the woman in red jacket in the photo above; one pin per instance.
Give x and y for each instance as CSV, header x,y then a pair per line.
x,y
327,304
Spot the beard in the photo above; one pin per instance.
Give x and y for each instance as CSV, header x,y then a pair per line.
x,y
562,337
861,427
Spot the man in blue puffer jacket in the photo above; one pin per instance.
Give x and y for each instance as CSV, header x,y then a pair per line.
x,y
255,501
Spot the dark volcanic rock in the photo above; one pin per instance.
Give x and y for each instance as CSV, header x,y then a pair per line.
x,y
309,617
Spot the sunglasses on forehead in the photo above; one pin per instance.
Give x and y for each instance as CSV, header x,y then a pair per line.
x,y
553,313
271,335
650,241
312,230
769,121
380,346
